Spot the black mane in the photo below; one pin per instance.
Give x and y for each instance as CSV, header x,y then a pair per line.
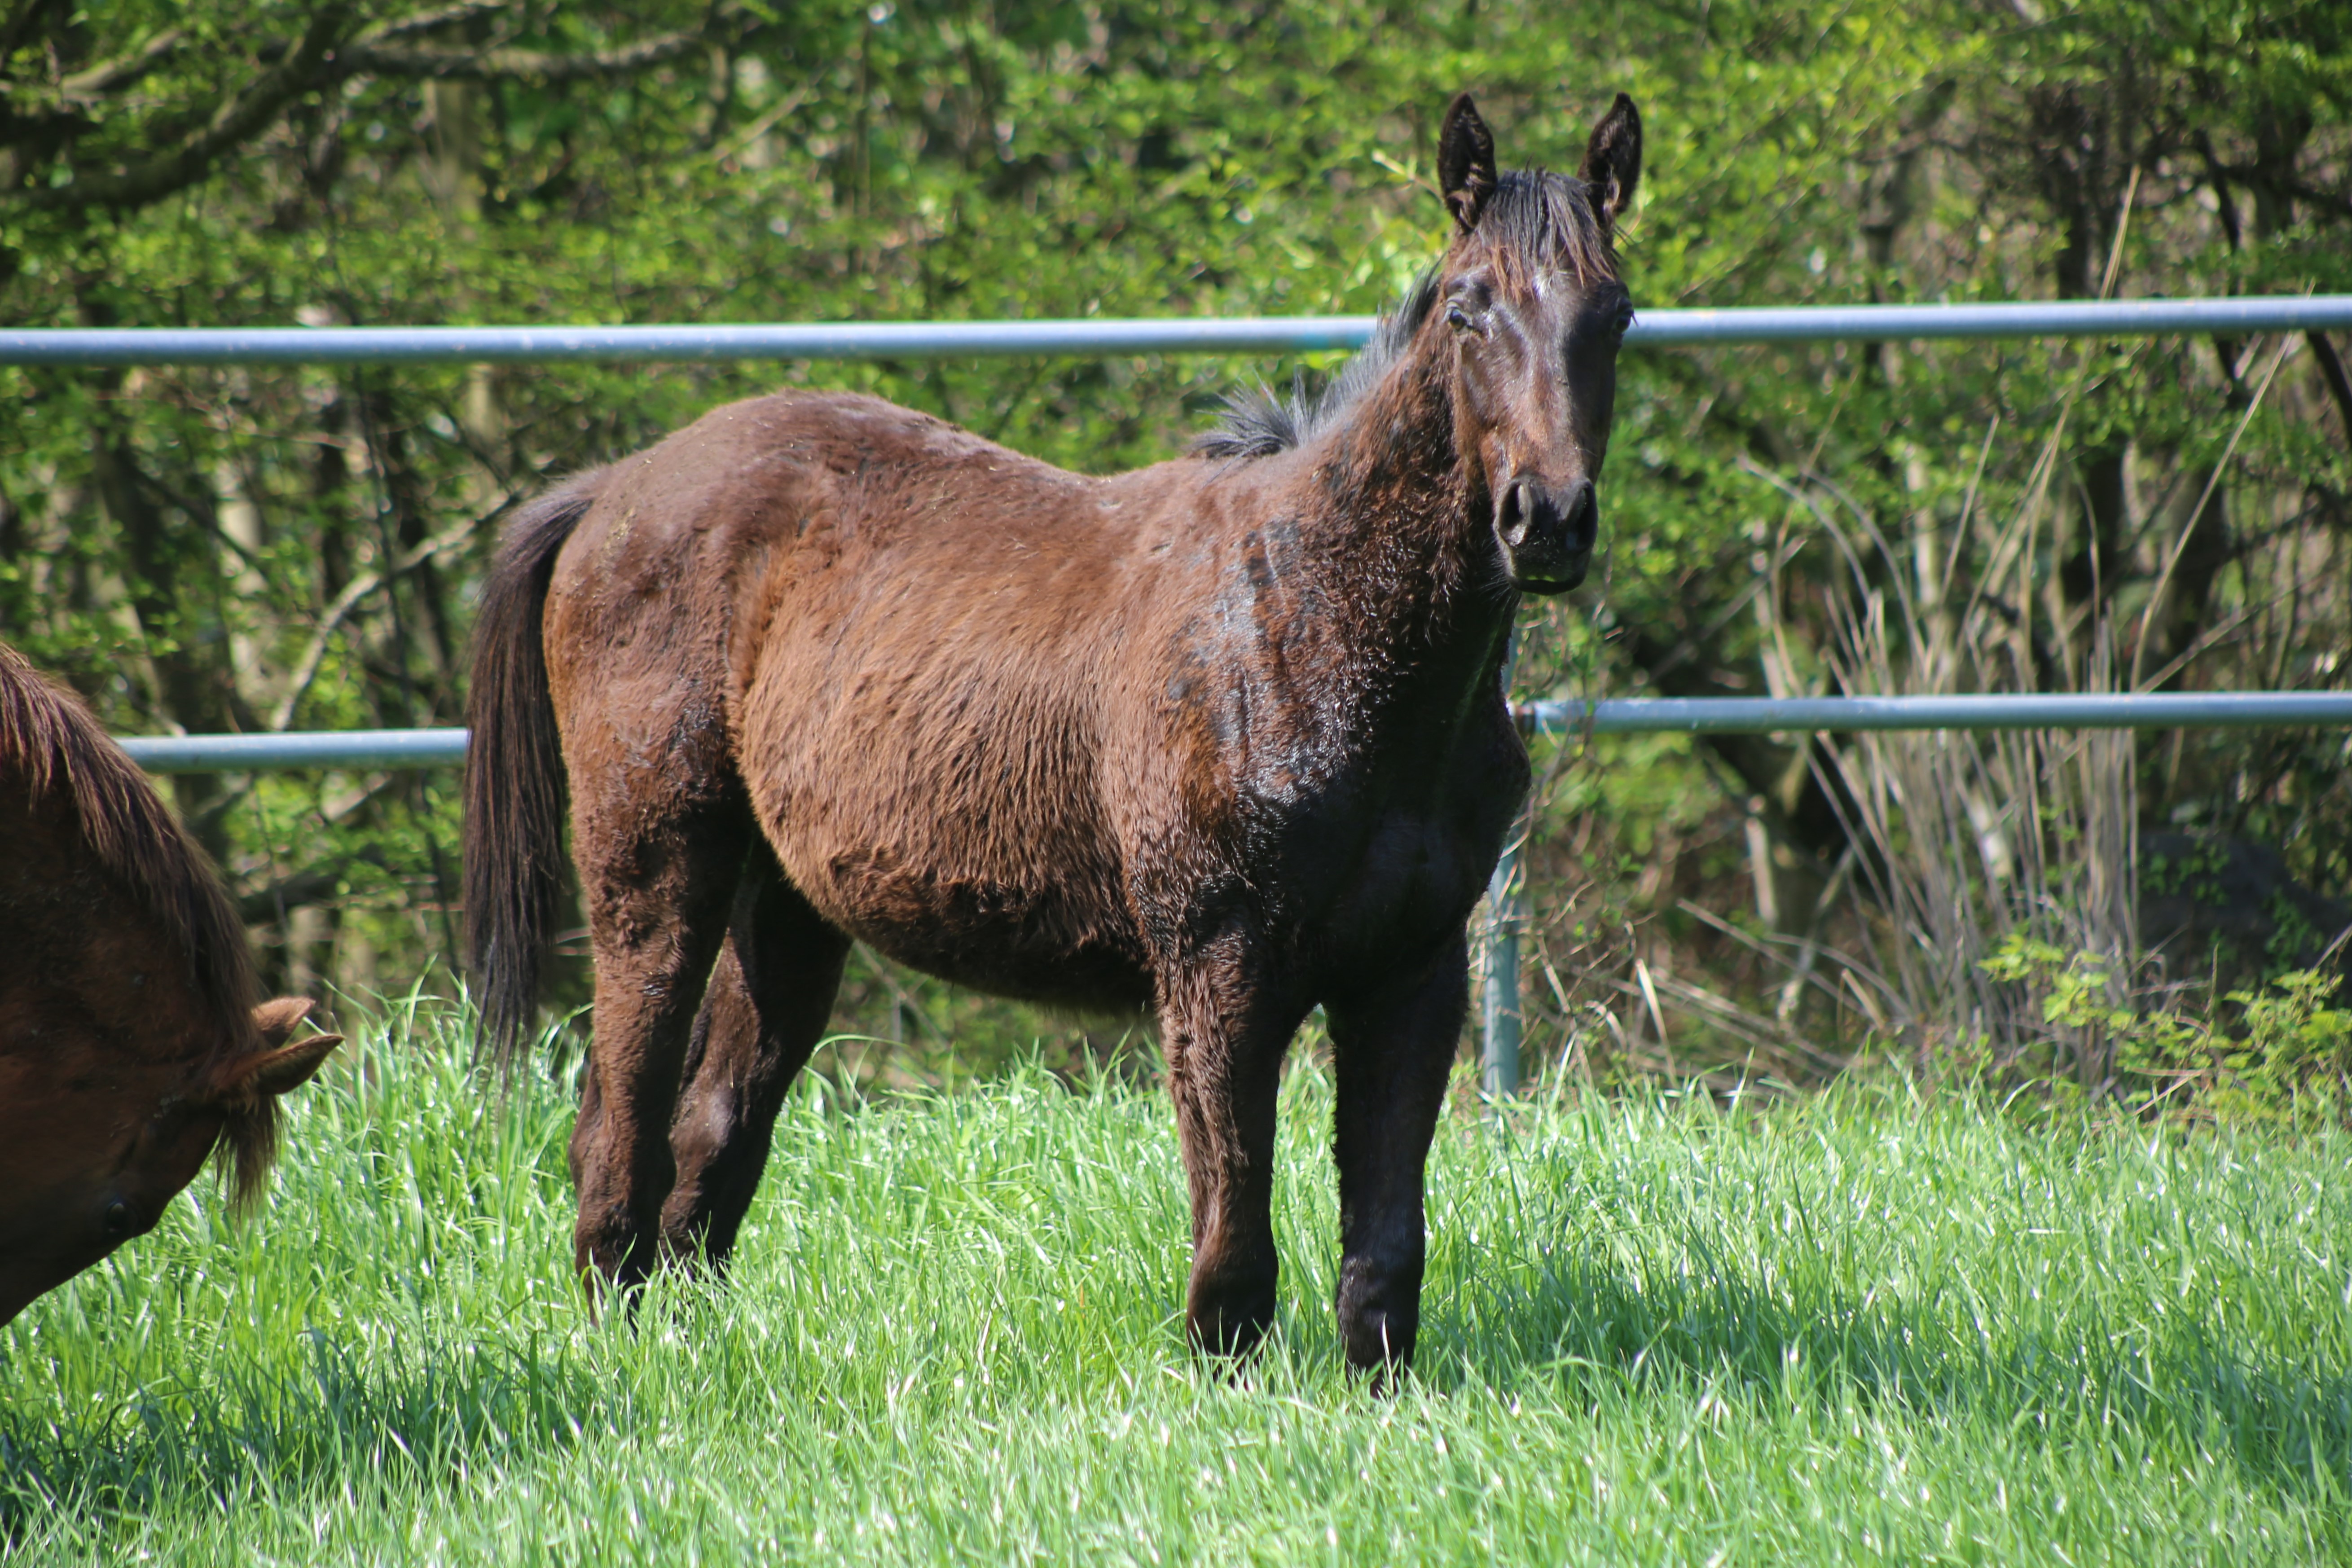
x,y
1260,422
1532,214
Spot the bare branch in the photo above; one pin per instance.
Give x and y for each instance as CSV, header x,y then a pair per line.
x,y
110,76
323,56
536,65
2331,369
354,592
425,22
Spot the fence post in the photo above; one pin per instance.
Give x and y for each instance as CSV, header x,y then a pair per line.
x,y
1499,1006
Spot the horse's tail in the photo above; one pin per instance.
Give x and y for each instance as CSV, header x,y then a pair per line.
x,y
515,793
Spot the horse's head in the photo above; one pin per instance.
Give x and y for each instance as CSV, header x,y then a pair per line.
x,y
1528,292
99,1141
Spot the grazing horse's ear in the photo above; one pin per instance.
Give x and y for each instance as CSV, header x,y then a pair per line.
x,y
275,1019
1613,161
269,1073
1466,161
277,1067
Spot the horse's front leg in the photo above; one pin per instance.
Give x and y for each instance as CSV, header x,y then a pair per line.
x,y
658,878
1224,1027
1394,1049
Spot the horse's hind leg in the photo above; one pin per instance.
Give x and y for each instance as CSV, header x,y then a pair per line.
x,y
658,872
769,1001
1394,1050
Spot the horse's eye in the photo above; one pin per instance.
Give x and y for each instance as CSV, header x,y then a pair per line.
x,y
1456,318
117,1223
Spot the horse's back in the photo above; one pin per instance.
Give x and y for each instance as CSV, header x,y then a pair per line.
x,y
891,634
843,509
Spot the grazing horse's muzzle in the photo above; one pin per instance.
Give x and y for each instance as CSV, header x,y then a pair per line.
x,y
1547,532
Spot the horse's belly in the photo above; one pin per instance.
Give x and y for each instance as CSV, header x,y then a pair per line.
x,y
1005,895
1038,944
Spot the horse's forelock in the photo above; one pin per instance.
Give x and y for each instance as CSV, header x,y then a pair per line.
x,y
247,1149
1539,220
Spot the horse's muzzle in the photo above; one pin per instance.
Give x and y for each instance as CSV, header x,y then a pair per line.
x,y
1547,532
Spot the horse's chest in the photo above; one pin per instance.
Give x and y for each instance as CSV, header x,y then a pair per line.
x,y
1413,881
1385,870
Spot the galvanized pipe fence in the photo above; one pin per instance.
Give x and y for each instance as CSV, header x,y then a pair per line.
x,y
1500,1007
1095,338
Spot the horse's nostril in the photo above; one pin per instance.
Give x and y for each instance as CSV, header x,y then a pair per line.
x,y
1513,520
1583,527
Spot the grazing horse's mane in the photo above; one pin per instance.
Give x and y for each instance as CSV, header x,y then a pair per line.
x,y
1533,214
50,738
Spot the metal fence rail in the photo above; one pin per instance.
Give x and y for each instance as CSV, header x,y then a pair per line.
x,y
1095,338
378,748
2002,710
357,749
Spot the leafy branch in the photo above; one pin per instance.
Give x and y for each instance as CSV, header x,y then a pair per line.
x,y
38,171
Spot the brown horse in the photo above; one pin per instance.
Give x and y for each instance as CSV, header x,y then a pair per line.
x,y
130,1043
1224,738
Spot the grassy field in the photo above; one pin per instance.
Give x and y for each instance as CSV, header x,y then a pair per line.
x,y
1855,1330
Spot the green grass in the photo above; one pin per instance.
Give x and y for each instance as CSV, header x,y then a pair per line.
x,y
1855,1328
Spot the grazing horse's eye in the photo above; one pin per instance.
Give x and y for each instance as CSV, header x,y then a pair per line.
x,y
117,1224
1457,318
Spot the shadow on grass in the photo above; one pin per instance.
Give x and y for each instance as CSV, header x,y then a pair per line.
x,y
258,1432
1585,1328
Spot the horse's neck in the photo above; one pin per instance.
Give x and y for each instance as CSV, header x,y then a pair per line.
x,y
1392,512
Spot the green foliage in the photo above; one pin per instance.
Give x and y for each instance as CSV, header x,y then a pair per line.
x,y
2196,874
1857,1329
2292,1063
2298,1048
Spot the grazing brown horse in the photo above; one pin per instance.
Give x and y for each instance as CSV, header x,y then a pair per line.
x,y
1223,738
131,1045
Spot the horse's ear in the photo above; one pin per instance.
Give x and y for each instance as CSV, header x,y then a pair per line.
x,y
280,1071
1466,161
275,1019
277,1067
1613,161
